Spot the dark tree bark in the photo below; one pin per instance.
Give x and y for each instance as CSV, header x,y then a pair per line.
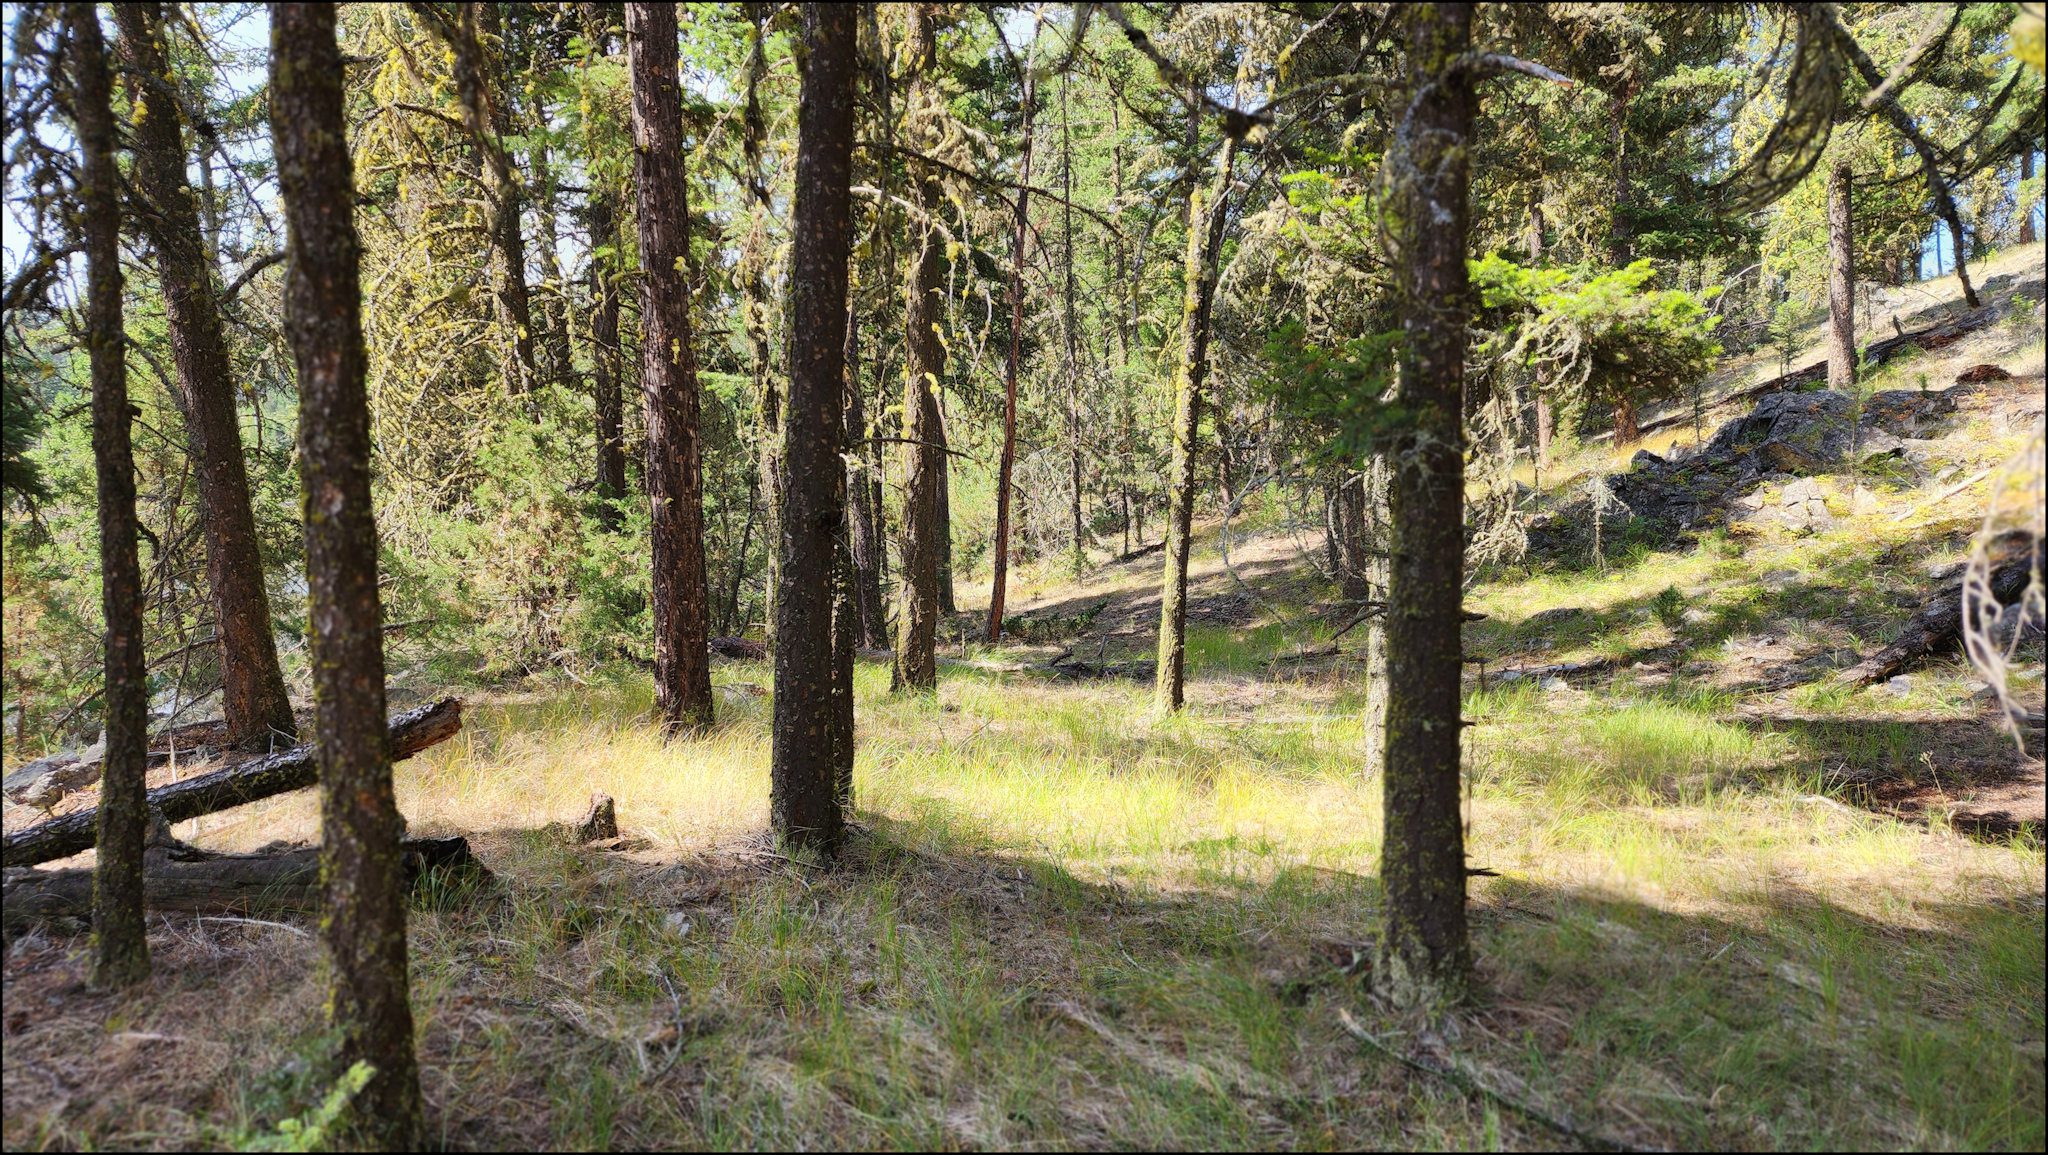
x,y
754,304
924,365
1841,281
120,948
846,607
668,374
364,926
488,121
864,541
237,785
607,365
1205,242
948,606
253,698
1007,466
2027,236
805,804
1424,954
1072,329
1352,539
1621,234
1532,243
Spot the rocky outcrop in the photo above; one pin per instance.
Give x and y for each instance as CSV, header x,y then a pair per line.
x,y
1787,437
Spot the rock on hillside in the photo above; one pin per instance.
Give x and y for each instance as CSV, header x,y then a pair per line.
x,y
1787,436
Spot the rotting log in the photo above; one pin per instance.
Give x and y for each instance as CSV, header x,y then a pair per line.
x,y
1937,627
176,878
237,785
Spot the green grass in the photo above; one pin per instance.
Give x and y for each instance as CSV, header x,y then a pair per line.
x,y
1069,925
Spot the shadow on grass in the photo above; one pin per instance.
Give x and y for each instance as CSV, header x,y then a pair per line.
x,y
937,991
857,1005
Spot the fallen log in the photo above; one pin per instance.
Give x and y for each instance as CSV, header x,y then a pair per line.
x,y
179,879
1937,627
245,782
1141,551
745,649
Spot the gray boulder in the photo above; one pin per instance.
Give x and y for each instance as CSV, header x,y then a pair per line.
x,y
45,781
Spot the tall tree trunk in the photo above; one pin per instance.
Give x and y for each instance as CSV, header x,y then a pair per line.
x,y
1072,328
668,374
1354,539
1841,281
257,709
120,946
846,608
948,605
1621,235
361,867
924,365
554,293
1205,241
2027,236
1425,955
864,541
755,252
607,365
1007,466
1546,421
1373,493
1621,240
807,742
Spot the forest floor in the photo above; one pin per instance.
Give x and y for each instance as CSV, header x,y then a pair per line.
x,y
1736,905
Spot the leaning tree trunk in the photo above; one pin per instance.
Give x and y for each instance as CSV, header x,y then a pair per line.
x,y
1841,282
668,375
253,698
1205,240
999,585
120,948
804,804
1424,954
924,364
363,928
607,367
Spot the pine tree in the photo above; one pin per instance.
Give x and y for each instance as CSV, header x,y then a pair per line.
x,y
1424,955
361,869
668,374
120,948
253,698
806,800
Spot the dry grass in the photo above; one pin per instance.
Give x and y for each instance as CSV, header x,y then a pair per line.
x,y
1068,925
